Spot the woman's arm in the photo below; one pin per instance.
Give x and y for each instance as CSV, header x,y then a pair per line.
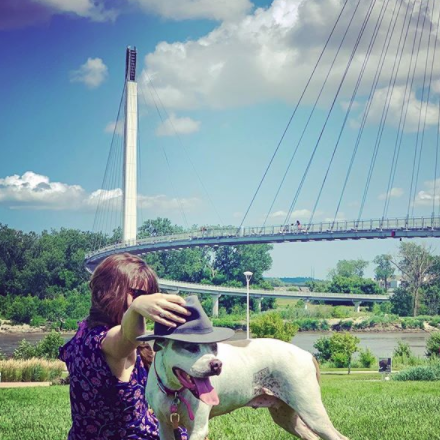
x,y
120,341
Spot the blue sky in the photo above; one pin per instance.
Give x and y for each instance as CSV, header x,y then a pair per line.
x,y
228,74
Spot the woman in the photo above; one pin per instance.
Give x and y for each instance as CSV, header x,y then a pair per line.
x,y
107,366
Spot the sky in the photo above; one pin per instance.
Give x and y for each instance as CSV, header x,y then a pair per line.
x,y
219,81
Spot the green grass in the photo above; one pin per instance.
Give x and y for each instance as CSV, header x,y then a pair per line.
x,y
362,407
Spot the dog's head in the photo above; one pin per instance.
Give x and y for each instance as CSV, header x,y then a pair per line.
x,y
192,364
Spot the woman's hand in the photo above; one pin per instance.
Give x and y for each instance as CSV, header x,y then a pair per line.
x,y
161,308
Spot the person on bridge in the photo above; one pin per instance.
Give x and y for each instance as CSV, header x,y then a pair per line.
x,y
108,368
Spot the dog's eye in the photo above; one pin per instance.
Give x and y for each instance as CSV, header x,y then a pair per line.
x,y
192,348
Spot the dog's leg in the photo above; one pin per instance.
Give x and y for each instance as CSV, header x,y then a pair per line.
x,y
313,414
284,416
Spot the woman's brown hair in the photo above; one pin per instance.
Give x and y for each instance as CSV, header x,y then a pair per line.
x,y
111,284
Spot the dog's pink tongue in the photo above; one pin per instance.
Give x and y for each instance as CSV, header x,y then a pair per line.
x,y
207,393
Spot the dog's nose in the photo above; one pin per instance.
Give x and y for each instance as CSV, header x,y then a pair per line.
x,y
216,366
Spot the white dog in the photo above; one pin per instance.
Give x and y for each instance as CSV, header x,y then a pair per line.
x,y
194,378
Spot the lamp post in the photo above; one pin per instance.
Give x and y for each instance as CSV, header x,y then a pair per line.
x,y
248,276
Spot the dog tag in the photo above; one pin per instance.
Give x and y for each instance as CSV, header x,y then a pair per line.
x,y
173,408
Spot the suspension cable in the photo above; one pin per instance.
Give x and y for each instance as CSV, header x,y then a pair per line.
x,y
329,112
353,96
293,114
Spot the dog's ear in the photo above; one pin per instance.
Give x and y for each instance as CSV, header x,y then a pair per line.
x,y
159,344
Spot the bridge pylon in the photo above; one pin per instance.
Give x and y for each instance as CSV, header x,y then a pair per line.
x,y
129,224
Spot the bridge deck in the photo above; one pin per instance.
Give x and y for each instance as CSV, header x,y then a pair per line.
x,y
342,230
221,290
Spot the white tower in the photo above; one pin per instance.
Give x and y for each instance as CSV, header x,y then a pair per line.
x,y
129,225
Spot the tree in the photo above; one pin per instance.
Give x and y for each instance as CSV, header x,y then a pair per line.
x,y
402,302
349,268
342,347
271,325
384,270
338,348
414,261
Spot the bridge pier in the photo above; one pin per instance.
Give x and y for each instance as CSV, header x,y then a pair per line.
x,y
357,306
215,301
306,303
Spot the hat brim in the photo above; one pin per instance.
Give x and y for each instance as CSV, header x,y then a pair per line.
x,y
217,335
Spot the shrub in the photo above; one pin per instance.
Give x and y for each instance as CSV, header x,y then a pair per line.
x,y
340,312
324,326
70,324
230,322
346,325
362,324
433,345
324,353
402,349
307,324
25,350
366,358
48,347
423,372
271,325
37,321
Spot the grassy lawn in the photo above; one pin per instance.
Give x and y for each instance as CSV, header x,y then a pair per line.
x,y
362,407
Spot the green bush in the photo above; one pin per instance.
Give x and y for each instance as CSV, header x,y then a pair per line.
x,y
340,312
37,321
402,349
362,324
409,323
366,358
423,372
433,345
307,324
230,322
70,324
324,353
25,350
346,325
48,347
271,325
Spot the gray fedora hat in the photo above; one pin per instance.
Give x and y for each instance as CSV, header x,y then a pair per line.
x,y
197,329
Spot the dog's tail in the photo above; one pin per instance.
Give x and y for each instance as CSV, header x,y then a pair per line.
x,y
318,374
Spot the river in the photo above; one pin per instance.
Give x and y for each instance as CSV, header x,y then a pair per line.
x,y
381,344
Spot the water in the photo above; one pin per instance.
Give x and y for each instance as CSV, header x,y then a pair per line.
x,y
381,344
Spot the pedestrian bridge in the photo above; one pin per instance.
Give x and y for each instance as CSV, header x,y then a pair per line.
x,y
414,227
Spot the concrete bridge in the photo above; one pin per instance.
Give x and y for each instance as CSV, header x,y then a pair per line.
x,y
217,291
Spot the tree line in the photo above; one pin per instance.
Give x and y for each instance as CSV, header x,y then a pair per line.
x,y
42,276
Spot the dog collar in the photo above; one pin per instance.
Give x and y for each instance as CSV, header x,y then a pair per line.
x,y
177,394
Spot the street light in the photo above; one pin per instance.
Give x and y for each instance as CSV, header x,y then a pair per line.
x,y
248,276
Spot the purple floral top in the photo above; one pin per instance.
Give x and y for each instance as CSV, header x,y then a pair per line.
x,y
103,407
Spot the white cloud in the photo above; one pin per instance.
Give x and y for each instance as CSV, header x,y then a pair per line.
x,y
299,213
429,194
93,9
34,191
409,104
392,193
220,10
270,53
92,73
115,127
164,203
22,13
174,126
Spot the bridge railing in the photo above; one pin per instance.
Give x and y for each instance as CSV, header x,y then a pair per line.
x,y
341,226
